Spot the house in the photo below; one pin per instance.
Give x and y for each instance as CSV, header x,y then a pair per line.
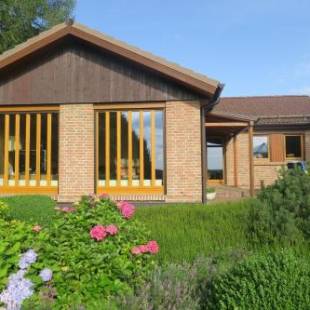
x,y
274,129
81,112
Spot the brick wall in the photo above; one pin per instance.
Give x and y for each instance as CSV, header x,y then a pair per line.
x,y
76,151
183,153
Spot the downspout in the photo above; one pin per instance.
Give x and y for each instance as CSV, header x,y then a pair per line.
x,y
206,107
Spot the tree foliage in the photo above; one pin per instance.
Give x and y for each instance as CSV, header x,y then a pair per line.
x,y
22,19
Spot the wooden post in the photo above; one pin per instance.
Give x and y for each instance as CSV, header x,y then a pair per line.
x,y
203,155
251,159
235,161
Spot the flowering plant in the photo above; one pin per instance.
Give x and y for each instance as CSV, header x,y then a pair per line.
x,y
86,271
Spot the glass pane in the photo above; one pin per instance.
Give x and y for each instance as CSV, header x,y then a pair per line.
x,y
135,148
54,159
159,156
215,160
124,148
43,149
260,146
33,134
2,118
147,148
22,149
101,150
12,150
113,147
293,146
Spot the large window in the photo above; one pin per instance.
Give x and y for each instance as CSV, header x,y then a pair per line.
x,y
130,150
28,149
293,147
260,147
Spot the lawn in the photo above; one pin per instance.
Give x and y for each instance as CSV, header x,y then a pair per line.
x,y
182,231
187,231
32,209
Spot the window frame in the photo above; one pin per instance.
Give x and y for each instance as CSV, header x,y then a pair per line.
x,y
301,136
130,188
268,144
41,184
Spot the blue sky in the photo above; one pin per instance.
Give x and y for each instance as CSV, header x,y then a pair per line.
x,y
255,47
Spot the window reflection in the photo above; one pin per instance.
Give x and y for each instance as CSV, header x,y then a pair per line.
x,y
147,148
1,148
260,147
124,148
130,139
135,149
159,150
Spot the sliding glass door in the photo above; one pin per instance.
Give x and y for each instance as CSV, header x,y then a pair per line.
x,y
130,153
28,152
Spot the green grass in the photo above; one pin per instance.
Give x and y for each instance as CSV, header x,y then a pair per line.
x,y
187,231
31,209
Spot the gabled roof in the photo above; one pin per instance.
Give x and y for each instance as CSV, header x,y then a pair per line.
x,y
198,82
264,106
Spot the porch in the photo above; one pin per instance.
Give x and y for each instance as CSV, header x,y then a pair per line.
x,y
223,154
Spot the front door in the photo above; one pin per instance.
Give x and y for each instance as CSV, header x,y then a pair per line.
x,y
215,160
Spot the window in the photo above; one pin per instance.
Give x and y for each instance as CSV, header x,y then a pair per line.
x,y
260,147
29,149
293,147
130,150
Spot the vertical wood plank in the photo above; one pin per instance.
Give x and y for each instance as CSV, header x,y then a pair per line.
x,y
97,152
129,148
27,146
49,148
107,149
6,149
251,159
118,150
153,148
17,146
235,161
38,150
141,145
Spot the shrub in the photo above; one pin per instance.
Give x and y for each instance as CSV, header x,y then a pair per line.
x,y
173,286
81,260
15,238
277,280
283,210
88,249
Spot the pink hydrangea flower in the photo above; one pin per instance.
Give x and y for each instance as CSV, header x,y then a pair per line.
x,y
98,232
111,229
135,250
152,247
127,209
36,228
143,248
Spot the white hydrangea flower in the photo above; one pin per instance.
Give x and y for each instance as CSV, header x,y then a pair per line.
x,y
46,274
27,259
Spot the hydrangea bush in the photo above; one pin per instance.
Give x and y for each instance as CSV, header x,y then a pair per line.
x,y
88,255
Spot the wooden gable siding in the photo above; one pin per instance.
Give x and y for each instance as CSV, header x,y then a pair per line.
x,y
75,72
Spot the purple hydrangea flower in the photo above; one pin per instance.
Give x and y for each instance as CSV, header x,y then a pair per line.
x,y
18,289
27,259
46,274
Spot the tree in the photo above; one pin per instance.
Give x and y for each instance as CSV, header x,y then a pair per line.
x,y
23,19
